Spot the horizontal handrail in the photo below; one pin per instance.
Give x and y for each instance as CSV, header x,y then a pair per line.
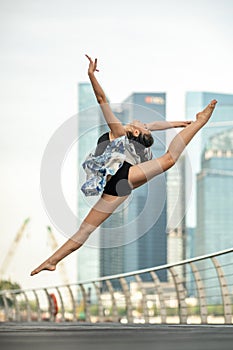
x,y
185,299
129,274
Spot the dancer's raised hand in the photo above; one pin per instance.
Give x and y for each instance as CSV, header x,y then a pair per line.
x,y
92,65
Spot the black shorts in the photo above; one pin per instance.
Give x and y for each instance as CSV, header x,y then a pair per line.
x,y
118,184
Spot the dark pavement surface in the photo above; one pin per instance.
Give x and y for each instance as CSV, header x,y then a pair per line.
x,y
69,336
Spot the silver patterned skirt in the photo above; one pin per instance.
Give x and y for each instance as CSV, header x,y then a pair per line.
x,y
97,168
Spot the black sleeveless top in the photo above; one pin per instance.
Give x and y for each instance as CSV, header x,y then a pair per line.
x,y
102,143
118,184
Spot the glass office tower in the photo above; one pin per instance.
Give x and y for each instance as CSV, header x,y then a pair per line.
x,y
143,220
143,224
88,131
214,206
215,195
150,247
220,121
111,249
176,228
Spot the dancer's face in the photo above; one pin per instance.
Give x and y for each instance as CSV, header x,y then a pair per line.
x,y
141,127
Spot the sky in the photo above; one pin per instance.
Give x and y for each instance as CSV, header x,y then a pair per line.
x,y
164,46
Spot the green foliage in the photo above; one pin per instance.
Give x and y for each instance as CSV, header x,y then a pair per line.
x,y
216,310
94,310
121,311
8,285
172,311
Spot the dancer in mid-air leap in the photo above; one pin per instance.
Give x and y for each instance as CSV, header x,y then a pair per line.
x,y
122,162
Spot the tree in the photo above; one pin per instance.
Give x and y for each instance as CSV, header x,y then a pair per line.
x,y
8,285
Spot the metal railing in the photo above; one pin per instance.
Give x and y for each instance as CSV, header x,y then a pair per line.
x,y
193,291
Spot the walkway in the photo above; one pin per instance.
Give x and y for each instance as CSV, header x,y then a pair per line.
x,y
108,336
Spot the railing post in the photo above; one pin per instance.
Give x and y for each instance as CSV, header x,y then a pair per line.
x,y
6,307
114,305
100,304
62,304
224,291
73,303
17,311
144,298
201,293
159,290
85,303
29,316
50,309
128,302
38,305
180,292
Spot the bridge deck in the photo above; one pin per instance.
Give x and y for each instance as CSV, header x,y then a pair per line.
x,y
69,336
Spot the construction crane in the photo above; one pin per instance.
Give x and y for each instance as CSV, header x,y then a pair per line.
x,y
10,254
54,245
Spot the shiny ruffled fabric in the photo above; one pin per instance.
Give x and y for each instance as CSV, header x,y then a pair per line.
x,y
97,168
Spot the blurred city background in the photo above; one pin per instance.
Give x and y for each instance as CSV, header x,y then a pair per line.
x,y
170,58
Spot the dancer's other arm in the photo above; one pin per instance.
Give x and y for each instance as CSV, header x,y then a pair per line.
x,y
163,125
113,122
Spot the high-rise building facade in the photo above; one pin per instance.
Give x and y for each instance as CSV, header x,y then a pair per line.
x,y
215,195
88,129
111,248
150,249
220,121
143,220
214,206
200,213
143,223
176,228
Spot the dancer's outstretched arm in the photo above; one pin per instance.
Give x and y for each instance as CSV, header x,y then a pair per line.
x,y
113,122
163,125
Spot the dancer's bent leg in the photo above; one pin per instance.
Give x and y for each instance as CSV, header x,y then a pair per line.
x,y
141,173
97,215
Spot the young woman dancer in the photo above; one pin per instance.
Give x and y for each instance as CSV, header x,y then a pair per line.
x,y
121,163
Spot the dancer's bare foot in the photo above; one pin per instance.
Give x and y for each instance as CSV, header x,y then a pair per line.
x,y
205,115
47,265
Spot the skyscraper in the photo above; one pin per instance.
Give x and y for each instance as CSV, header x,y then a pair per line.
x,y
93,260
150,248
214,205
176,228
220,121
143,221
88,129
215,195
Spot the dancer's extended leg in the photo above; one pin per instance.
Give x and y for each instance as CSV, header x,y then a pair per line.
x,y
141,173
138,175
97,215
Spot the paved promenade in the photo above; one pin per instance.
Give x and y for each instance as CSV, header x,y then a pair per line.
x,y
70,336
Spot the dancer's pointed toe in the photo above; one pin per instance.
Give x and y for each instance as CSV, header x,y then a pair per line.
x,y
205,115
213,103
46,266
